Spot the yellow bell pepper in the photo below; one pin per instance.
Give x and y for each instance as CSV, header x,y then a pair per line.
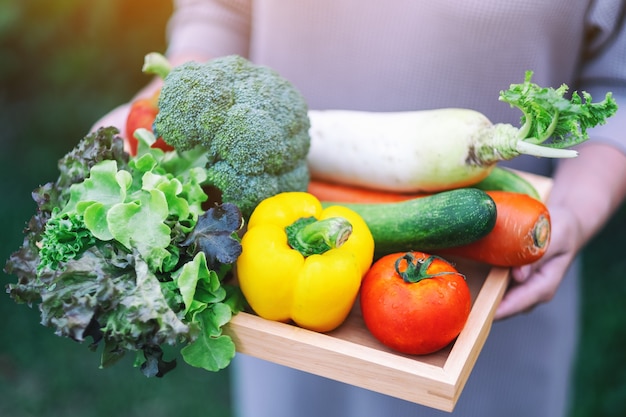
x,y
311,277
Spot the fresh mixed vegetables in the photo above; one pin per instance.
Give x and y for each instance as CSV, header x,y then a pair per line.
x,y
140,241
501,221
123,251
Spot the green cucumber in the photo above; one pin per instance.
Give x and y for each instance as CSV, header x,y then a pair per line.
x,y
503,179
446,219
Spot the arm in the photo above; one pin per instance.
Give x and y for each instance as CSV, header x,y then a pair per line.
x,y
588,189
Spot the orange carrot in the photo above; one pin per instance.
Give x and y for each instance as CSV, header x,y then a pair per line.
x,y
520,236
343,193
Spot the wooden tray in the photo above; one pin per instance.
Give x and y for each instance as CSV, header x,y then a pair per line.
x,y
352,355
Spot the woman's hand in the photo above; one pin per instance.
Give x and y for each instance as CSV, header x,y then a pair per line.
x,y
539,282
586,192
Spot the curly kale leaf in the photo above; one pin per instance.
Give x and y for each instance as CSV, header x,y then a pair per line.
x,y
64,238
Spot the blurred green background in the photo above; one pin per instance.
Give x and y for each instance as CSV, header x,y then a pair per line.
x,y
65,63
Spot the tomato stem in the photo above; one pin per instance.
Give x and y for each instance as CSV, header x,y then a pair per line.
x,y
310,236
416,268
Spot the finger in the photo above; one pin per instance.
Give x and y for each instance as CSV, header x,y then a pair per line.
x,y
521,274
522,298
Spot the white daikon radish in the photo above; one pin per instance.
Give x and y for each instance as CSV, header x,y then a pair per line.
x,y
440,149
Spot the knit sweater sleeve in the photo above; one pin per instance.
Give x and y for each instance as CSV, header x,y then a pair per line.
x,y
604,66
209,27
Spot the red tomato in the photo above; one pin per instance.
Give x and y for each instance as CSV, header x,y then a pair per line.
x,y
414,317
142,114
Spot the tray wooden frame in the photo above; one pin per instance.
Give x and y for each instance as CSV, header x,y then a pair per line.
x,y
351,355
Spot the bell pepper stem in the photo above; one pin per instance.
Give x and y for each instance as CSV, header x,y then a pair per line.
x,y
311,236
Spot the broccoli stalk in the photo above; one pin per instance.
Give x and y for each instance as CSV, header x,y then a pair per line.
x,y
252,123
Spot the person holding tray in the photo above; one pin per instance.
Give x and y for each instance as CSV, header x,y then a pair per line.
x,y
411,55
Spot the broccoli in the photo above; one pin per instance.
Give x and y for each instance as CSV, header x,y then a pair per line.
x,y
252,123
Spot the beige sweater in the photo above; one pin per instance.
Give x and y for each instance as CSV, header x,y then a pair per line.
x,y
411,54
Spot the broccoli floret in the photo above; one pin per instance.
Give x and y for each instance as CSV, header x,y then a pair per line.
x,y
247,190
252,123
